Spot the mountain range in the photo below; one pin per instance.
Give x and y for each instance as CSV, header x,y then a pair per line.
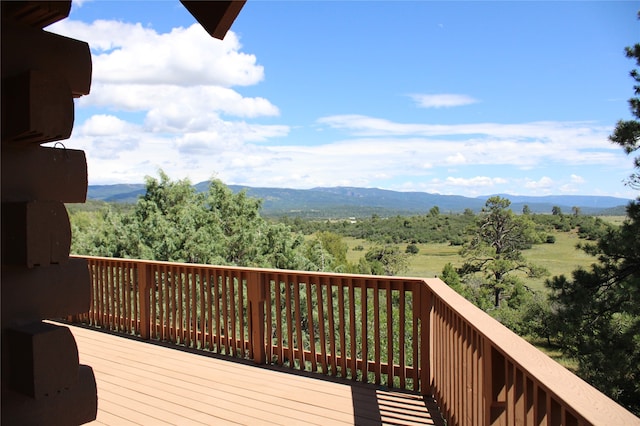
x,y
342,202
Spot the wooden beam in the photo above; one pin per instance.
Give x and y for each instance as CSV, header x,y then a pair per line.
x,y
36,13
37,107
42,173
25,49
53,291
35,233
43,359
75,405
216,17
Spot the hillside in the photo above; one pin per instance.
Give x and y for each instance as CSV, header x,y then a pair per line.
x,y
363,202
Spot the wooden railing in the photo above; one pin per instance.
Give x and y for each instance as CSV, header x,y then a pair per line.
x,y
406,333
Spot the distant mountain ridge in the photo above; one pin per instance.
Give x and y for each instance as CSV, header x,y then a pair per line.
x,y
360,202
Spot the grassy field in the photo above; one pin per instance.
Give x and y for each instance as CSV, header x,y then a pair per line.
x,y
616,220
559,258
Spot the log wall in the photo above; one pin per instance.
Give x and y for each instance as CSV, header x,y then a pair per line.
x,y
42,379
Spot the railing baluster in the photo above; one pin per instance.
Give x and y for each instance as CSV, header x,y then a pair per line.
x,y
126,297
333,356
202,308
415,315
169,287
364,307
208,277
232,321
311,325
181,286
279,334
97,277
389,336
467,371
182,277
217,282
269,329
172,319
126,300
376,332
352,329
121,299
298,324
342,328
193,325
115,297
401,336
110,313
241,329
225,311
320,284
289,320
163,286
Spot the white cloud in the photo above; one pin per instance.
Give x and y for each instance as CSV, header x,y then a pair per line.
x,y
182,84
361,125
567,189
525,145
79,3
445,100
143,97
577,179
181,79
541,184
457,158
475,182
126,53
104,125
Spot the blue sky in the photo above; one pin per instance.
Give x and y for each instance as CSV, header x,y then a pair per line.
x,y
468,98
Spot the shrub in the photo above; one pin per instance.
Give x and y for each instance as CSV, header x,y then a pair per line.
x,y
412,249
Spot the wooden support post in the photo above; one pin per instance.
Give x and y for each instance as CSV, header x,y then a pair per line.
x,y
256,298
426,306
145,282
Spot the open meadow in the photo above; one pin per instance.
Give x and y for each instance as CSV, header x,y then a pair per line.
x,y
561,257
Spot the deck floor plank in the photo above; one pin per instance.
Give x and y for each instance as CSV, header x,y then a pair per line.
x,y
150,384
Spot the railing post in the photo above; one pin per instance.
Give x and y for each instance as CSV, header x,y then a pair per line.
x,y
144,289
426,306
256,299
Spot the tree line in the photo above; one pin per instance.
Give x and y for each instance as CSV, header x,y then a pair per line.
x,y
173,222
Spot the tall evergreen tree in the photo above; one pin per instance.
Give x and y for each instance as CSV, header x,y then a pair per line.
x,y
495,248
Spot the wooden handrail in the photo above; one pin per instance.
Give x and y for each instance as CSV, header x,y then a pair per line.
x,y
407,333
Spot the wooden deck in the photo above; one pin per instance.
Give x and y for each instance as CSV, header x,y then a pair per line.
x,y
152,384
